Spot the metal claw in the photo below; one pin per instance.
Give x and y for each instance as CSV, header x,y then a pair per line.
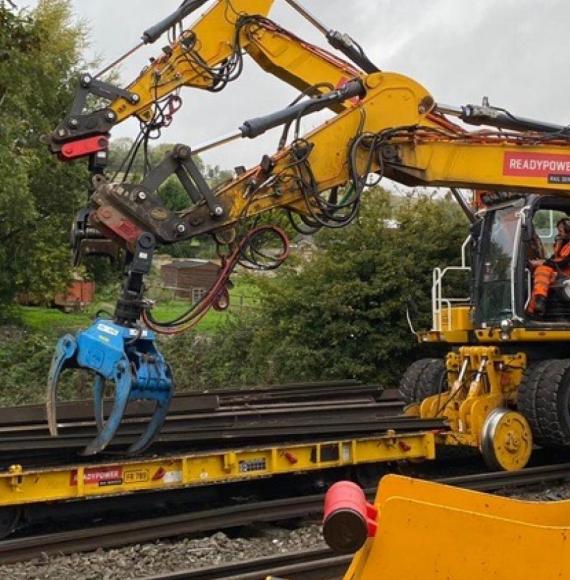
x,y
153,429
108,429
99,401
129,359
64,353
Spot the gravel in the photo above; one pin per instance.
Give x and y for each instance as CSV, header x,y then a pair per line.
x,y
140,561
539,492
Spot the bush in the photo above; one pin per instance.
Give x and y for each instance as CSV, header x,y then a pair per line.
x,y
24,363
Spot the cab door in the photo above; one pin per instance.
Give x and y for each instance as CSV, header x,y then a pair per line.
x,y
498,285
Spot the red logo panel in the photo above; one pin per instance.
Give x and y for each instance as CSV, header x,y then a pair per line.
x,y
535,164
99,476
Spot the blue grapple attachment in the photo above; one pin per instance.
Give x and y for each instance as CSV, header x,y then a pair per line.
x,y
121,353
126,357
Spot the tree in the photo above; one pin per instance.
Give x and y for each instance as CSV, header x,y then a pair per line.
x,y
342,314
40,53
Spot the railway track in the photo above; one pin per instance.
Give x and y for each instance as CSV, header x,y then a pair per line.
x,y
318,564
204,521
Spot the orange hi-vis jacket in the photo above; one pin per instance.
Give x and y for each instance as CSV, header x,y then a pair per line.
x,y
546,274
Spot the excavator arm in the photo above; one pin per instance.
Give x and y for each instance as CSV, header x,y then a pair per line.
x,y
394,130
206,56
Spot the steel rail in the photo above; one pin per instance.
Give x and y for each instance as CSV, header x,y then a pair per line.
x,y
252,425
313,564
202,419
204,521
207,401
230,414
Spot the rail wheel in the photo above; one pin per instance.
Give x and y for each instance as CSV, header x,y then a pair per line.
x,y
9,519
506,440
422,379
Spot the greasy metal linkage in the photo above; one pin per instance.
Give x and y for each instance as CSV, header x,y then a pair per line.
x,y
80,123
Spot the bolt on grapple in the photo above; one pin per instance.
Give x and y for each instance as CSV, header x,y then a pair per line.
x,y
129,359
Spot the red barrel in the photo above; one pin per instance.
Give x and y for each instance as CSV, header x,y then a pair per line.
x,y
349,519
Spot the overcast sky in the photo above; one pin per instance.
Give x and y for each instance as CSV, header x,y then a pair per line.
x,y
514,51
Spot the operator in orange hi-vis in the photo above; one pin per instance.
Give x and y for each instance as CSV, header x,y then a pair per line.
x,y
546,271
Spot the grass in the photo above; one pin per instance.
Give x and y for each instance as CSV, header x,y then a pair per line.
x,y
48,320
54,321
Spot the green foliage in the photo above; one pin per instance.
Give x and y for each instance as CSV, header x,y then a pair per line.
x,y
173,195
342,314
209,361
24,363
40,56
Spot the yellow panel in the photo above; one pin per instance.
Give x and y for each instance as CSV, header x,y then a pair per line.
x,y
460,319
467,164
433,532
555,513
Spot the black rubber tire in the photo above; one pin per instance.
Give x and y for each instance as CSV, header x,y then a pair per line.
x,y
528,393
422,379
553,404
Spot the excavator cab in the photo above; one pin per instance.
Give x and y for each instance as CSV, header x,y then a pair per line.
x,y
515,229
511,229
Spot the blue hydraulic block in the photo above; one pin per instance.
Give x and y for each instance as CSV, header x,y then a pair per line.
x,y
125,356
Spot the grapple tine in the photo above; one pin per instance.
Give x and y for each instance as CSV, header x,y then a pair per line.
x,y
98,402
153,429
126,356
124,384
155,384
64,354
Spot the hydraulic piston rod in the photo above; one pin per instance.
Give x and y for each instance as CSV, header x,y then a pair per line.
x,y
343,42
256,127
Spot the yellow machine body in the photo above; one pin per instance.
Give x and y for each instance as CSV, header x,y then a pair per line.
x,y
456,328
430,531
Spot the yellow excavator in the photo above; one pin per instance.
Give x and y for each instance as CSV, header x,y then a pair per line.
x,y
505,379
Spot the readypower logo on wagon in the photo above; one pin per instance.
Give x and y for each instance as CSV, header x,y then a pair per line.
x,y
556,168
